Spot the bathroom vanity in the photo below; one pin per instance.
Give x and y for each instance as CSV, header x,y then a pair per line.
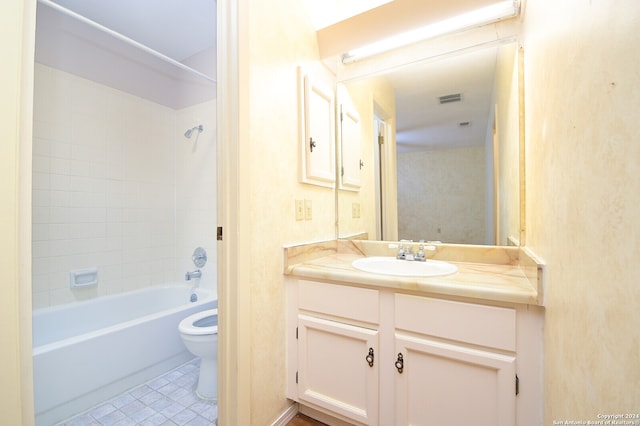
x,y
375,349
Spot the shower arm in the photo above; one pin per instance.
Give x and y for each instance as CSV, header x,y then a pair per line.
x,y
189,132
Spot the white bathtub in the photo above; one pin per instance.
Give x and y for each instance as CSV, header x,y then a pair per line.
x,y
86,352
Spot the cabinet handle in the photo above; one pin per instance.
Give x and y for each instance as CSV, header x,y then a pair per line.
x,y
400,363
312,144
369,357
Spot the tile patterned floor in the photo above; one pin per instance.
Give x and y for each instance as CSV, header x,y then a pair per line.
x,y
167,400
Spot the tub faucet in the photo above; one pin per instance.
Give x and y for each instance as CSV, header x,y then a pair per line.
x,y
192,275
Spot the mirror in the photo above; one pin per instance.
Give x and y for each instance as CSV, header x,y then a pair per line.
x,y
441,149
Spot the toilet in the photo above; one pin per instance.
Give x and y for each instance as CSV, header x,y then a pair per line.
x,y
199,333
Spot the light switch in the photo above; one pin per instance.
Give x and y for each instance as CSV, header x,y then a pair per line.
x,y
308,210
299,210
355,210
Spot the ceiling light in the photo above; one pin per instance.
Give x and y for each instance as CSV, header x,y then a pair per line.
x,y
482,16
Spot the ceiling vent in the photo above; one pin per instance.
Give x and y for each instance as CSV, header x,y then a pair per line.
x,y
447,99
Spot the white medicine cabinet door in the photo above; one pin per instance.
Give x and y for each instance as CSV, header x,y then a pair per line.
x,y
334,372
318,134
449,385
350,143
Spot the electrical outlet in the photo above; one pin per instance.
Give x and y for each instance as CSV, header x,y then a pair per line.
x,y
355,210
299,210
308,210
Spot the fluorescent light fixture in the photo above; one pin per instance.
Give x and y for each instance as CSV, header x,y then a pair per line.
x,y
482,16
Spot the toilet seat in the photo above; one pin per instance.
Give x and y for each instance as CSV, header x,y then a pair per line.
x,y
189,325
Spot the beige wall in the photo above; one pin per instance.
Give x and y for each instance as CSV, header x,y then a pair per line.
x,y
442,195
279,39
508,141
17,37
370,97
583,199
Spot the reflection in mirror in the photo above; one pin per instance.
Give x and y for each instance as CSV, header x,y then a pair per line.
x,y
440,141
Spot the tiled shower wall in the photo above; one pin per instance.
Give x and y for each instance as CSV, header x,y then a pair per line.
x,y
106,171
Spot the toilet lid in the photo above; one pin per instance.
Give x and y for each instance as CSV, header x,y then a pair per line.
x,y
200,323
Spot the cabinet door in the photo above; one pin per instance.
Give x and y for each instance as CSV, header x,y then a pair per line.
x,y
318,144
350,146
448,385
333,372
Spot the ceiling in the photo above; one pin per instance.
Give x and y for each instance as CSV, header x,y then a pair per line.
x,y
422,122
180,32
324,13
177,29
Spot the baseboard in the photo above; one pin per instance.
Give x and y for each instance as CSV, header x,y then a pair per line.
x,y
286,416
322,417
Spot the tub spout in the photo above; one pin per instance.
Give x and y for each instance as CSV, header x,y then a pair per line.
x,y
192,275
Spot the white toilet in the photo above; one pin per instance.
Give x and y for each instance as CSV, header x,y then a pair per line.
x,y
199,333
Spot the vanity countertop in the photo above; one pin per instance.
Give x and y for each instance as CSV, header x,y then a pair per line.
x,y
505,274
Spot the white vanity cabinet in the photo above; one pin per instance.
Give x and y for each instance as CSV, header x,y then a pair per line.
x,y
337,344
455,363
435,361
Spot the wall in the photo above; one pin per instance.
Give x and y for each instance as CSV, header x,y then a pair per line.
x,y
583,183
372,97
116,186
442,195
508,144
17,24
268,141
196,193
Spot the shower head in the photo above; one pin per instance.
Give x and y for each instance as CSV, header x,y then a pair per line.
x,y
189,132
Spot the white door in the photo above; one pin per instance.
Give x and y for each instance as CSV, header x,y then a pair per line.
x,y
334,371
448,385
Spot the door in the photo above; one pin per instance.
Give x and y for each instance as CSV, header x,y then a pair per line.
x,y
338,369
449,385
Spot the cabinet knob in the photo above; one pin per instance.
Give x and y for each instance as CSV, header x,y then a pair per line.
x,y
369,357
400,363
312,144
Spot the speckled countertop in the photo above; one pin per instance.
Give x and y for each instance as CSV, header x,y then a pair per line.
x,y
505,274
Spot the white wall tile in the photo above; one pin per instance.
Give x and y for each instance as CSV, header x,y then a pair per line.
x,y
105,188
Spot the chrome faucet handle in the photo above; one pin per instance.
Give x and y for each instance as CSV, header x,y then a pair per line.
x,y
401,252
422,248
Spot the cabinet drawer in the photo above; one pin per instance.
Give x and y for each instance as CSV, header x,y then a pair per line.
x,y
359,304
488,326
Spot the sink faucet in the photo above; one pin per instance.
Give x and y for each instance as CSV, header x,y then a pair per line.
x,y
405,252
408,253
192,275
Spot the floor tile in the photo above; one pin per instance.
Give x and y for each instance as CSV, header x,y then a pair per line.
x,y
167,400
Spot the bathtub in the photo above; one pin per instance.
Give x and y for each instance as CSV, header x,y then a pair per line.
x,y
87,352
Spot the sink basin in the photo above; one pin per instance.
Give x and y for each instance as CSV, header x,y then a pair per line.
x,y
404,268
